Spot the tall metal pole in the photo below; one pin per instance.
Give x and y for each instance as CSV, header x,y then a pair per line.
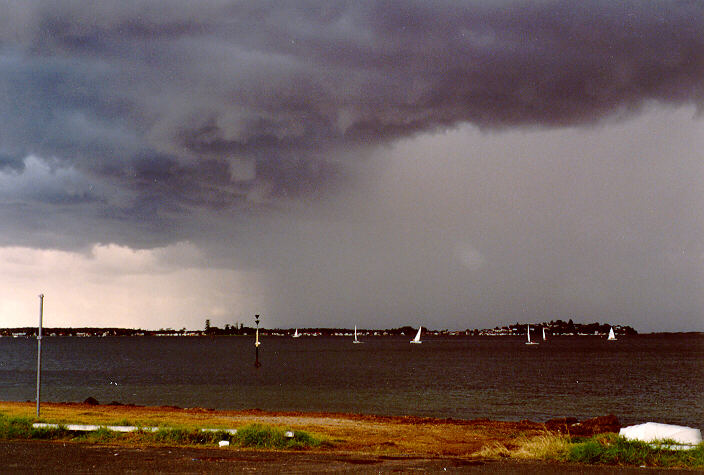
x,y
257,364
39,351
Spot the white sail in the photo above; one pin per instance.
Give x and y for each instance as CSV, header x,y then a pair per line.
x,y
612,335
544,334
355,336
296,334
530,342
417,338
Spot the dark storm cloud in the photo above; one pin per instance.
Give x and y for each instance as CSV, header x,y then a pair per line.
x,y
216,105
15,163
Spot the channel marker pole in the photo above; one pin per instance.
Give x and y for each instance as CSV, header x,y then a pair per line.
x,y
39,350
257,364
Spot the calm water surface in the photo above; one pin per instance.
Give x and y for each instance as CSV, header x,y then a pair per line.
x,y
643,378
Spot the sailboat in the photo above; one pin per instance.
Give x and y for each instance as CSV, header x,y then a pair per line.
x,y
612,335
544,334
355,336
530,342
296,334
417,338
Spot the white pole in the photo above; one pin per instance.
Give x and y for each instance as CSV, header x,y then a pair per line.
x,y
39,350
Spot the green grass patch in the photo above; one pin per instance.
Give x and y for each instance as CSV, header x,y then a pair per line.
x,y
251,436
266,437
21,428
102,435
612,449
180,436
605,449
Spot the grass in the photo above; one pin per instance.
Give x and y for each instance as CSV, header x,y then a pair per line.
x,y
614,450
605,449
542,447
181,427
21,428
116,415
265,437
494,450
250,436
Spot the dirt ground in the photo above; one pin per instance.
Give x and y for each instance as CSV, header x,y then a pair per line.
x,y
361,443
30,456
400,435
386,435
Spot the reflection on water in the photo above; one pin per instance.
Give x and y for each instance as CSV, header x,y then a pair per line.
x,y
643,378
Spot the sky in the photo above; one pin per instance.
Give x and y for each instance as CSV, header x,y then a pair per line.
x,y
332,163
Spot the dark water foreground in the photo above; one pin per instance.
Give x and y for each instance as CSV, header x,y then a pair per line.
x,y
642,378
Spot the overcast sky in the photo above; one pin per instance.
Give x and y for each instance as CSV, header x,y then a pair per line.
x,y
330,163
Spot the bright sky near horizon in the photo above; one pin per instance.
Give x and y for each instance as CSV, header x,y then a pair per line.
x,y
341,164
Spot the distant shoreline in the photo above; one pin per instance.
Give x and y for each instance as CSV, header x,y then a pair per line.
x,y
278,335
552,328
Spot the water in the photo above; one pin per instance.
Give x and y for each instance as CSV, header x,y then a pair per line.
x,y
643,378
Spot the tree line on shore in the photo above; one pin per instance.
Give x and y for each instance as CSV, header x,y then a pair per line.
x,y
555,327
560,327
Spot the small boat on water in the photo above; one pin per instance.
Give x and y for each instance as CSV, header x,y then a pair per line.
x,y
612,335
296,334
417,337
544,338
355,336
530,342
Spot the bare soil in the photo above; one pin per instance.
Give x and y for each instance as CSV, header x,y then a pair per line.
x,y
361,443
387,435
31,456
